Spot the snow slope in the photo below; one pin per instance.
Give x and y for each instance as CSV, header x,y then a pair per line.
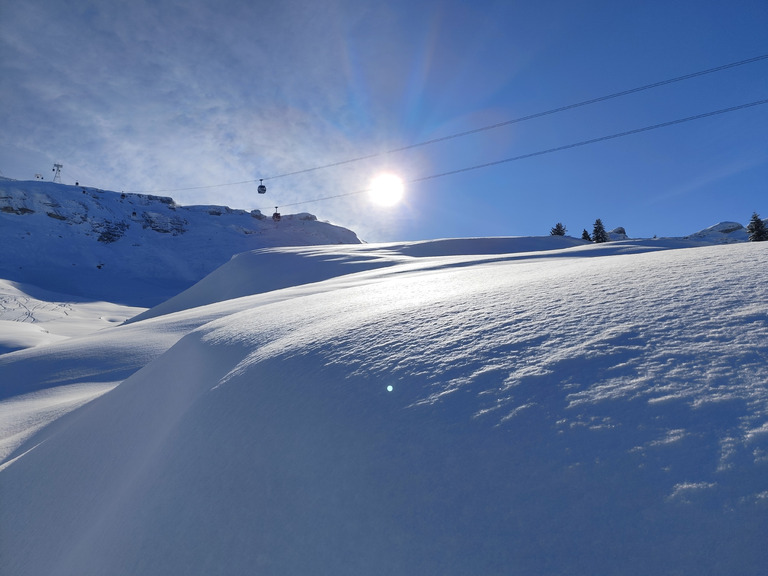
x,y
30,316
486,406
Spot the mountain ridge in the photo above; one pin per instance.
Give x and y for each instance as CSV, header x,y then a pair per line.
x,y
124,247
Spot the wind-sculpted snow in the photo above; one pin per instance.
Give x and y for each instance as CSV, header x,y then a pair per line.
x,y
269,269
42,383
457,415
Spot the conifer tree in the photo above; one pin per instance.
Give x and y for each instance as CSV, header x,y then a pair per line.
x,y
585,235
558,230
598,232
756,228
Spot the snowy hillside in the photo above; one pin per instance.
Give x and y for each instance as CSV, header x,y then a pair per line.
x,y
135,249
482,406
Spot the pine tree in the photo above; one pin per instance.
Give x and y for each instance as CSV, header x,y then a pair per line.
x,y
558,230
585,236
757,230
598,232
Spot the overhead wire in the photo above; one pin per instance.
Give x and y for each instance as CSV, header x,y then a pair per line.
x,y
595,140
551,150
525,118
483,128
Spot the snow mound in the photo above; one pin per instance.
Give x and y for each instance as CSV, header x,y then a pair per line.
x,y
466,414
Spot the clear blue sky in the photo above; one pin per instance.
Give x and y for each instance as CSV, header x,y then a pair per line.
x,y
158,95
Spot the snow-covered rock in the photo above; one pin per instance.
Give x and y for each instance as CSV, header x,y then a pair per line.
x,y
722,233
618,234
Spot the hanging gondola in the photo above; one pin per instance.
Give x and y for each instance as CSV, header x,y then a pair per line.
x,y
262,189
276,215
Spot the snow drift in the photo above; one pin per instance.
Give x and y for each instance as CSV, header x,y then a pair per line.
x,y
434,410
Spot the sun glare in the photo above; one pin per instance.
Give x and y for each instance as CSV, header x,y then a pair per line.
x,y
386,189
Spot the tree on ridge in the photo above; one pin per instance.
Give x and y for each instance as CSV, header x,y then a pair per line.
x,y
598,232
757,229
558,230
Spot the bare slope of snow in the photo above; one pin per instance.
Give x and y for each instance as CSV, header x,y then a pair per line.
x,y
37,385
40,382
449,414
275,268
270,269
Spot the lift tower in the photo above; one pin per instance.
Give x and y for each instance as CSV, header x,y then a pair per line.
x,y
57,169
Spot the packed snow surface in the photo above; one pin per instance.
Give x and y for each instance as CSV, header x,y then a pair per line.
x,y
479,406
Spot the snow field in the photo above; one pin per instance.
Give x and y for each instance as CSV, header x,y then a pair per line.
x,y
568,412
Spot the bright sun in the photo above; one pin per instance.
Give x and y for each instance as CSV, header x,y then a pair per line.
x,y
386,189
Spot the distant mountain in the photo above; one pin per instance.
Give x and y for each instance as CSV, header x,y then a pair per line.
x,y
134,249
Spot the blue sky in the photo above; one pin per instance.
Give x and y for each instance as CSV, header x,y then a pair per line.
x,y
159,96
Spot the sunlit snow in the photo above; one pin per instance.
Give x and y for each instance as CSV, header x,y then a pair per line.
x,y
476,406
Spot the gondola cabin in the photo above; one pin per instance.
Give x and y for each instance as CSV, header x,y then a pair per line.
x,y
262,189
276,215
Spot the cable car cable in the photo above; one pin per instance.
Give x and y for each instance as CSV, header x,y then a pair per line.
x,y
595,140
481,129
551,150
529,117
